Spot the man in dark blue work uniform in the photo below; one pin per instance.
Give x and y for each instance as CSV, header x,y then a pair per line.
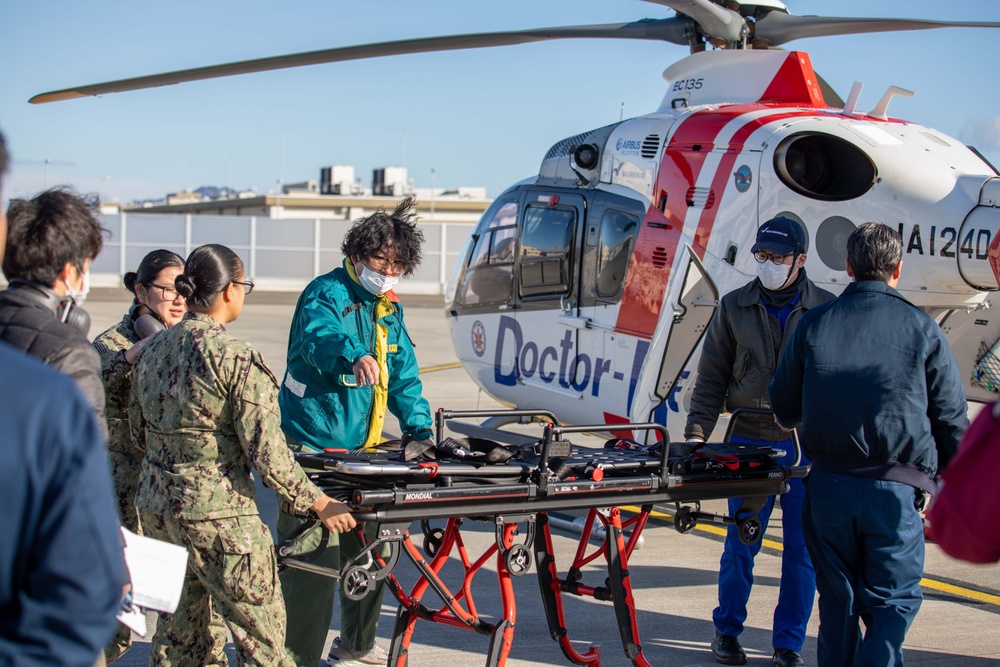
x,y
742,347
61,567
874,384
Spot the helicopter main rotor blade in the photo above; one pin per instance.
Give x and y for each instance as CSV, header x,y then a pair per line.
x,y
778,28
673,30
714,20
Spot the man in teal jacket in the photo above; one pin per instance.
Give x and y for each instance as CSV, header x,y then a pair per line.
x,y
349,360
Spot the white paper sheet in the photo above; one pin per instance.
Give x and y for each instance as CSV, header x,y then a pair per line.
x,y
156,569
135,620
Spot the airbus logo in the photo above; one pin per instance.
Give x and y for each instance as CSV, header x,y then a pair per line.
x,y
628,145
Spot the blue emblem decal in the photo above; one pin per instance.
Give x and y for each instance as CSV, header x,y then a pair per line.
x,y
742,178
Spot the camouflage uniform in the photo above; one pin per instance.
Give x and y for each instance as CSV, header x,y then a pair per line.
x,y
125,458
207,405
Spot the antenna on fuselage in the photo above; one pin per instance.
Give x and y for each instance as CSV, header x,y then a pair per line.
x,y
852,99
883,104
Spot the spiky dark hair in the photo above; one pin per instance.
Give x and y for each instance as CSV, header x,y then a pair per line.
x,y
372,234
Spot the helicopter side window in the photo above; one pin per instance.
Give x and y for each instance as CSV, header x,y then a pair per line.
x,y
488,278
618,232
505,216
546,242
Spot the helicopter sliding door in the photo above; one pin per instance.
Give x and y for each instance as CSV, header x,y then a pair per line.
x,y
545,325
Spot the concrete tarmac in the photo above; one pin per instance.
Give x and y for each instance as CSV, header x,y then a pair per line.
x,y
674,576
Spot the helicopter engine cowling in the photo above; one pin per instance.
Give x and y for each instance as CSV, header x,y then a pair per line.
x,y
980,240
575,161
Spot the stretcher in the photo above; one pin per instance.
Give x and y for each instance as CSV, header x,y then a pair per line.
x,y
458,483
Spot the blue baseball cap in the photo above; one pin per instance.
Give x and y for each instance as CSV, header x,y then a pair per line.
x,y
781,235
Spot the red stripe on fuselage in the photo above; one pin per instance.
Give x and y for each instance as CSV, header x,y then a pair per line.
x,y
683,160
725,170
612,419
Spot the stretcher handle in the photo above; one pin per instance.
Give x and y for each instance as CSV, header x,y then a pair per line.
x,y
555,432
442,415
739,412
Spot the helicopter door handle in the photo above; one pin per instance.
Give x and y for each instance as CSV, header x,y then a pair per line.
x,y
508,306
575,322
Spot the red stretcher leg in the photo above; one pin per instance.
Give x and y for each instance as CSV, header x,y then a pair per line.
x,y
410,609
621,586
502,637
453,613
550,586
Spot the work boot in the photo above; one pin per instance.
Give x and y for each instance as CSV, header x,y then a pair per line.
x,y
786,657
728,650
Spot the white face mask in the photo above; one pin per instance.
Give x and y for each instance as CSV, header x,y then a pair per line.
x,y
376,283
81,296
774,276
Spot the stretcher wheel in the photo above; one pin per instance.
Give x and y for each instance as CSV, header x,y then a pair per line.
x,y
749,529
518,560
356,583
684,521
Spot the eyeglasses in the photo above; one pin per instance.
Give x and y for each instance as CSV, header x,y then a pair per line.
x,y
247,284
166,291
381,264
762,256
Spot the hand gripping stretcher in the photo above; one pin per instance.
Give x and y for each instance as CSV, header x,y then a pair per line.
x,y
394,493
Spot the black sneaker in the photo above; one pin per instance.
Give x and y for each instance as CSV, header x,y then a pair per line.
x,y
786,657
728,650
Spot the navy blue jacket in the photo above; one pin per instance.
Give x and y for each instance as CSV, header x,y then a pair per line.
x,y
61,567
874,384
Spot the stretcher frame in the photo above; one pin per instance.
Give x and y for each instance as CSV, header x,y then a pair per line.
x,y
510,504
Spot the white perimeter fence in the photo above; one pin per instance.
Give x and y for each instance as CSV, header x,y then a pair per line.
x,y
279,255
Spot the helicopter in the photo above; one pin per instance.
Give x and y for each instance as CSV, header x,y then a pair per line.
x,y
586,289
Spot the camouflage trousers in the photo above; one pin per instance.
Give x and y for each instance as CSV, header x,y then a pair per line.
x,y
125,468
231,568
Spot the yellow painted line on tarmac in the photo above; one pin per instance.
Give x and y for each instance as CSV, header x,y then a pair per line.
x,y
703,527
442,367
932,584
960,591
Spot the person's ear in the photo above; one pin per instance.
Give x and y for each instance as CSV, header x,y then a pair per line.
x,y
68,273
898,271
140,294
847,265
801,261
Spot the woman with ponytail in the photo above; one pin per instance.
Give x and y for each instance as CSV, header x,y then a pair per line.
x,y
155,306
205,404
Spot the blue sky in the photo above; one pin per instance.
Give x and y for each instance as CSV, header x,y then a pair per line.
x,y
484,117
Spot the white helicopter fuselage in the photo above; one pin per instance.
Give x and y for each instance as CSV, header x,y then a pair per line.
x,y
586,289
